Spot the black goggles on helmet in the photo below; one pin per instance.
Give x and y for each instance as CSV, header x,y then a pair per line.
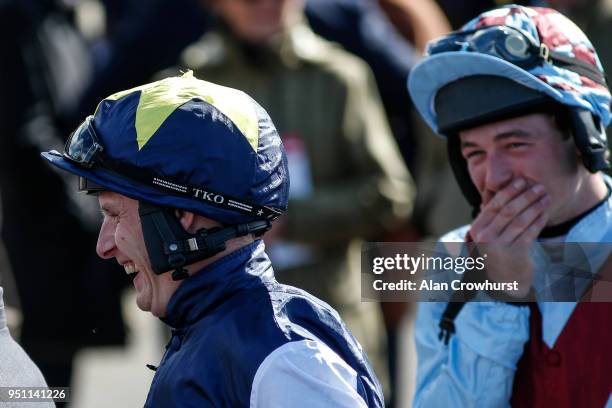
x,y
84,149
514,46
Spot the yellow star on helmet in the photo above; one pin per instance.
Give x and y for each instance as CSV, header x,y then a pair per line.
x,y
159,99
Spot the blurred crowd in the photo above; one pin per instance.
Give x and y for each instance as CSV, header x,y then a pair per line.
x,y
331,74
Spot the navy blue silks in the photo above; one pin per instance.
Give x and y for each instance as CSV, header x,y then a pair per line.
x,y
228,318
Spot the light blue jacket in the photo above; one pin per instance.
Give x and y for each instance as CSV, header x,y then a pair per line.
x,y
477,367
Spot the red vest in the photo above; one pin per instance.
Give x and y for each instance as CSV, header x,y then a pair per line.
x,y
577,371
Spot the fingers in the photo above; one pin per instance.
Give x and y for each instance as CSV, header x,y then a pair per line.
x,y
526,214
532,232
492,208
510,212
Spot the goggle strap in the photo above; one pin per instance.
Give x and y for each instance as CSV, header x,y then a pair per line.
x,y
206,195
95,156
560,60
578,66
210,197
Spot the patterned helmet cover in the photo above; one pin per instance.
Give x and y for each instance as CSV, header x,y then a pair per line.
x,y
543,26
193,132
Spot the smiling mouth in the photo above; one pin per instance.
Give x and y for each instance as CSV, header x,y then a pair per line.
x,y
130,270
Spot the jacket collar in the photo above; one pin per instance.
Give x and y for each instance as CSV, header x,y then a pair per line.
x,y
597,225
213,285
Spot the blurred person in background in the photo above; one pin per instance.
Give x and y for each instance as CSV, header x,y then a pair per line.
x,y
68,297
189,176
389,35
438,206
138,42
343,161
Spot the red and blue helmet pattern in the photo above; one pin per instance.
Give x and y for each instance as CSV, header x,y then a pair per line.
x,y
560,34
543,26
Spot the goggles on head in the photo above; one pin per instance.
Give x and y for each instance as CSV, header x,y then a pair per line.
x,y
499,41
514,46
84,149
82,145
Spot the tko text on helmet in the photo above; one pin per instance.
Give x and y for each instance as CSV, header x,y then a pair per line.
x,y
206,196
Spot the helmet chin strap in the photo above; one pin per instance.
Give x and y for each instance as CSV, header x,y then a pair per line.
x,y
170,247
590,138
